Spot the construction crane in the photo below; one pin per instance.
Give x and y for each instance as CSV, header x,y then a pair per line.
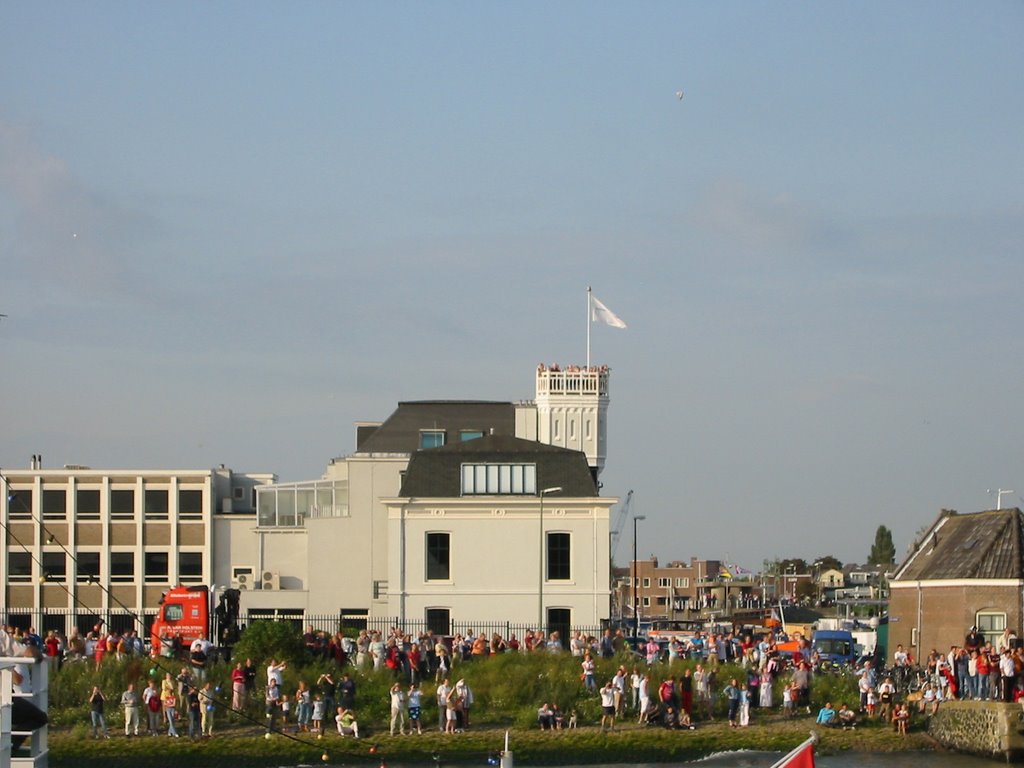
x,y
620,522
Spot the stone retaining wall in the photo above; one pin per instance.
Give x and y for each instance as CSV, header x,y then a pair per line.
x,y
983,728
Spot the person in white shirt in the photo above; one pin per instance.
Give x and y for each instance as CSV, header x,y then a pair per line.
x,y
608,706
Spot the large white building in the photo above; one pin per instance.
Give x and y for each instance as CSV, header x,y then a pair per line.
x,y
436,516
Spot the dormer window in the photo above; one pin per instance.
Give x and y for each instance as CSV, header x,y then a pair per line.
x,y
431,438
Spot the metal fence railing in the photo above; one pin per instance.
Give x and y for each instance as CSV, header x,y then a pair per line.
x,y
65,620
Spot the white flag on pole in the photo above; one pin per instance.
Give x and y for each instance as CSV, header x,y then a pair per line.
x,y
599,311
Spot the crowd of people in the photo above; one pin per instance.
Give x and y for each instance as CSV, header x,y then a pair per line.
x,y
648,687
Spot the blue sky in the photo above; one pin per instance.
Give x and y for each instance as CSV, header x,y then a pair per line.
x,y
230,230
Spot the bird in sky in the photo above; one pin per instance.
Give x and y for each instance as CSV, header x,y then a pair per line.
x,y
679,95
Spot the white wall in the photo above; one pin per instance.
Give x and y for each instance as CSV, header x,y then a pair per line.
x,y
495,552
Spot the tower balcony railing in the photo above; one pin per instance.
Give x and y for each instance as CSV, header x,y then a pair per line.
x,y
572,380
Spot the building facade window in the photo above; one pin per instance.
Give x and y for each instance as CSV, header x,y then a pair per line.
x,y
19,566
190,567
664,582
683,582
55,504
122,504
470,434
499,479
190,504
156,504
647,582
559,556
560,621
55,566
438,556
439,621
122,566
431,438
19,504
87,504
990,623
647,602
156,567
88,567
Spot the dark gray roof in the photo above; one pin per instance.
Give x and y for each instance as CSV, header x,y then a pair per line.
x,y
400,433
982,545
437,473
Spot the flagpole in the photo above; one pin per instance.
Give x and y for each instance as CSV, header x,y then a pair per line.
x,y
588,327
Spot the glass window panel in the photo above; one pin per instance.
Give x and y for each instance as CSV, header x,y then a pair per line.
x,y
19,503
156,566
286,506
325,501
530,478
480,481
467,479
87,503
492,478
558,556
122,566
55,566
55,503
438,557
156,503
517,479
431,438
88,565
190,566
19,566
304,500
267,502
505,479
470,434
122,503
190,503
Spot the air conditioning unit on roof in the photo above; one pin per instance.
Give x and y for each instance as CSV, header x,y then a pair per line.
x,y
270,580
243,577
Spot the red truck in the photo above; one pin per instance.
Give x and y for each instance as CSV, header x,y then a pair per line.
x,y
186,614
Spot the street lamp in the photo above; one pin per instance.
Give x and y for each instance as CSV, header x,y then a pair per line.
x,y
636,602
540,589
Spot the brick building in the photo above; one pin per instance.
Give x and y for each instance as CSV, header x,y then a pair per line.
x,y
967,570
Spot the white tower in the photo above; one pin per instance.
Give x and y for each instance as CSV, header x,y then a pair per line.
x,y
572,407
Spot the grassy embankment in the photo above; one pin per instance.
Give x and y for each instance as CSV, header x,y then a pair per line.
x,y
508,689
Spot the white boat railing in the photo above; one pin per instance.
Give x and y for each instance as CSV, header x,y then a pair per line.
x,y
34,750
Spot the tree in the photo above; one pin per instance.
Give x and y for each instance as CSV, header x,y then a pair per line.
x,y
883,551
828,563
264,640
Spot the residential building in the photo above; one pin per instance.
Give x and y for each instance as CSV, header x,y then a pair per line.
x,y
351,542
967,570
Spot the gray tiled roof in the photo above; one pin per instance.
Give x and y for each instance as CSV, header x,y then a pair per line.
x,y
400,433
436,473
982,545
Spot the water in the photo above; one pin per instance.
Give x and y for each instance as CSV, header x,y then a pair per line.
x,y
846,760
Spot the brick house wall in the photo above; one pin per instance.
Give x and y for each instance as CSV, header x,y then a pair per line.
x,y
947,611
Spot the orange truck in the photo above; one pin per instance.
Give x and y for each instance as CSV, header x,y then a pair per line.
x,y
184,616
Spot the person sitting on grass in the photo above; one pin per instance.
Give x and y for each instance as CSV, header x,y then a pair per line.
x,y
346,721
847,718
545,717
826,715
